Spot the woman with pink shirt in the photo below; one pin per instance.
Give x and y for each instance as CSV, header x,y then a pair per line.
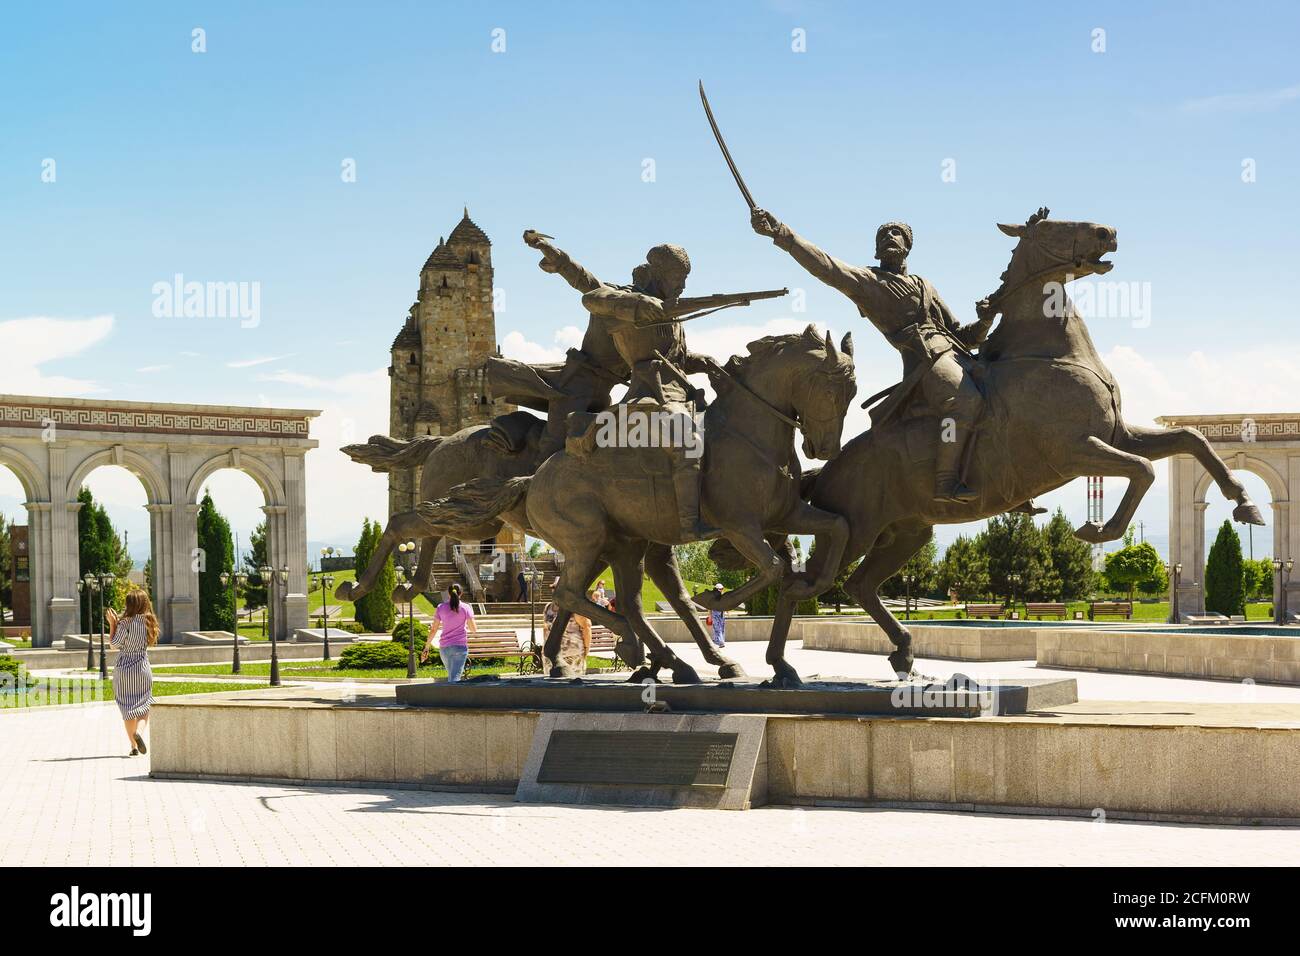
x,y
451,618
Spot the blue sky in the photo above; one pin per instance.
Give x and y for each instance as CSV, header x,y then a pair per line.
x,y
225,166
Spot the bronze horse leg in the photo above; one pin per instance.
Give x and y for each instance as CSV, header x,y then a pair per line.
x,y
401,526
755,549
879,565
1098,458
423,572
831,533
661,565
626,566
1157,443
783,674
571,595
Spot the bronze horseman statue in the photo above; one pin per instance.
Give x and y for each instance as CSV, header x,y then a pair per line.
x,y
936,348
877,499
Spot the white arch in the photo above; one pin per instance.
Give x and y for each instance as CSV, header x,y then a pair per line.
x,y
30,475
155,487
258,470
1277,486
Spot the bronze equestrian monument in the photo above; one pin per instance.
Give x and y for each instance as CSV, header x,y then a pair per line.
x,y
617,454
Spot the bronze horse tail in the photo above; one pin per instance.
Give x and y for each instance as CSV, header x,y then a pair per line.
x,y
474,503
383,454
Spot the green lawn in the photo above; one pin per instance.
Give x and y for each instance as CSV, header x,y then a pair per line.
x,y
42,693
319,669
649,594
1157,612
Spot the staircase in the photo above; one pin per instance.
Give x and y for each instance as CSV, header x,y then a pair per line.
x,y
445,574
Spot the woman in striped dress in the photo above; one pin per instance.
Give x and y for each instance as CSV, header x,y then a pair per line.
x,y
132,636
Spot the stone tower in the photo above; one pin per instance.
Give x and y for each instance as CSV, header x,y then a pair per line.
x,y
438,385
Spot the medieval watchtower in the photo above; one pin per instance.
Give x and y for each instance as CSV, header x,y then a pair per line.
x,y
438,384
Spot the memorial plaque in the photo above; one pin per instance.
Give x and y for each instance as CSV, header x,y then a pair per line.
x,y
638,758
714,761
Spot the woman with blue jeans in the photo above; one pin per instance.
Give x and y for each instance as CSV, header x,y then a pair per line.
x,y
451,618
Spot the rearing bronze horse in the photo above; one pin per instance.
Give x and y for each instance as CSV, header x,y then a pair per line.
x,y
1052,414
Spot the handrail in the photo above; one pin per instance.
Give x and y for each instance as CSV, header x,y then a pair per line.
x,y
470,575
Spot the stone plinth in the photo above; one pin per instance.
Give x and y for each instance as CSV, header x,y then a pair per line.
x,y
934,641
1271,658
209,639
1221,763
857,696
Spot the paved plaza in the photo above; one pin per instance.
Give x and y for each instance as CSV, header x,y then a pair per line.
x,y
69,797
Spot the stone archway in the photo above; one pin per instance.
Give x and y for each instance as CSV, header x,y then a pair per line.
x,y
1267,445
52,444
36,492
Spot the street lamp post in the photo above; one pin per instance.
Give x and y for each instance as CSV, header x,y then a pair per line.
x,y
1175,570
532,599
1282,566
326,582
235,582
271,577
105,582
86,585
907,597
408,578
1014,579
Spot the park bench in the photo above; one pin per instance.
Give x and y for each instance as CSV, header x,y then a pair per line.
x,y
983,610
603,641
489,645
1122,609
1037,609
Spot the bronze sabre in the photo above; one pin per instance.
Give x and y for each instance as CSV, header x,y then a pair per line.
x,y
726,153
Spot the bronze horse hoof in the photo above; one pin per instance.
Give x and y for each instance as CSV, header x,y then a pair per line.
x,y
902,664
1247,513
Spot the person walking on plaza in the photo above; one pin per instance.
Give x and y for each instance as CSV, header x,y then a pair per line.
x,y
131,636
452,617
718,622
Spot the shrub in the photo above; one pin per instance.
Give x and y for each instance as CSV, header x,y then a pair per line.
x,y
352,627
372,655
764,602
12,672
402,634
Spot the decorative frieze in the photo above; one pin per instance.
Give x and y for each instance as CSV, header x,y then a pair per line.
x,y
162,419
1239,428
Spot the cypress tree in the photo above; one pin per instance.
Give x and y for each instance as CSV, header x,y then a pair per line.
x,y
1224,582
375,611
216,613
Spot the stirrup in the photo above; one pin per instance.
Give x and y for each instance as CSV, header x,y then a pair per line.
x,y
954,491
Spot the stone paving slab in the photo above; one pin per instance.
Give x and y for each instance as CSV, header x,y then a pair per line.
x,y
68,797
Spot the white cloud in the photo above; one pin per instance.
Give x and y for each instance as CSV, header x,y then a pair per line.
x,y
339,492
1258,101
1197,383
150,369
29,343
515,346
261,360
